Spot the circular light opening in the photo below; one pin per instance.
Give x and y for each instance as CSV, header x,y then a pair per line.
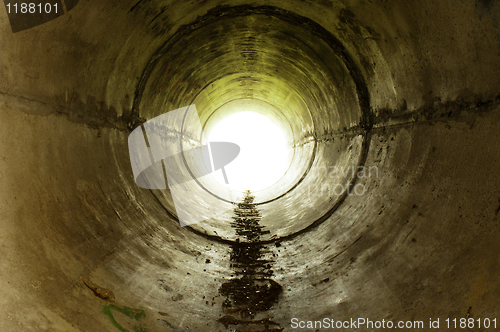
x,y
264,151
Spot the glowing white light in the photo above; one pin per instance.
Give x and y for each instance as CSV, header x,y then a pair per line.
x,y
264,156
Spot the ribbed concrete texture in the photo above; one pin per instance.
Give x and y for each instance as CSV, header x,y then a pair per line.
x,y
408,91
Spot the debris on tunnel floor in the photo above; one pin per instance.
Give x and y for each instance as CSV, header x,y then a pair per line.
x,y
251,292
98,291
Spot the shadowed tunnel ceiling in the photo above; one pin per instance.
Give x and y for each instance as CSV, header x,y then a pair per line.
x,y
406,91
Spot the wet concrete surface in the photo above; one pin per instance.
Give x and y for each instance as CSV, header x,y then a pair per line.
x,y
251,292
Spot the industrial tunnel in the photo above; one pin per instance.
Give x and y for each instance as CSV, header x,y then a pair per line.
x,y
408,90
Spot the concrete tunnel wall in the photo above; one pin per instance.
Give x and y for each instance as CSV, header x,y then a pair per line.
x,y
411,88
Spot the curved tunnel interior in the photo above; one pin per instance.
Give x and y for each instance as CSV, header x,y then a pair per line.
x,y
250,50
388,207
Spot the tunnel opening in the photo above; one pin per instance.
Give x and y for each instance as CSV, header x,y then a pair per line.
x,y
296,72
265,155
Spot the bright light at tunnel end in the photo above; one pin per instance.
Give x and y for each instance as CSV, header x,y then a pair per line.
x,y
264,154
243,151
